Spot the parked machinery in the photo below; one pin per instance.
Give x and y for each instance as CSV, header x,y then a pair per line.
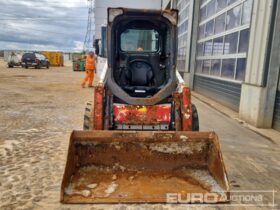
x,y
79,61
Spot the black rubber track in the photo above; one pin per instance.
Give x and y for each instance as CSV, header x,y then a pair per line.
x,y
195,120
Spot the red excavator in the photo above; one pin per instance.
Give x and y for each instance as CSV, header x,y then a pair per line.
x,y
140,142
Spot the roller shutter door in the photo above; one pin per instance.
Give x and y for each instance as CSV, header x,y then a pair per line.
x,y
225,92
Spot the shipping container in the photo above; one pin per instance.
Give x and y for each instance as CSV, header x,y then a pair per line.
x,y
55,58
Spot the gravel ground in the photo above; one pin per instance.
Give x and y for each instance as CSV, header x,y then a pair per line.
x,y
38,111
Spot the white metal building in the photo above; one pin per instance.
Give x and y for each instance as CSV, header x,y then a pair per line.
x,y
100,10
229,50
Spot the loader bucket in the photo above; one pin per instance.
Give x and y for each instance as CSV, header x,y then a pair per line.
x,y
144,167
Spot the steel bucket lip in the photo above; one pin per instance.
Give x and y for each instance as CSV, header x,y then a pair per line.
x,y
103,136
142,136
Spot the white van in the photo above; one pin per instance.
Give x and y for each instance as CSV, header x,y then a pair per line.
x,y
14,59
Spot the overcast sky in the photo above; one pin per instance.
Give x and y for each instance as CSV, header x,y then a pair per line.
x,y
43,24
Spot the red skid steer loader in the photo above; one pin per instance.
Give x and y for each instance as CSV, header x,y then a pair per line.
x,y
140,142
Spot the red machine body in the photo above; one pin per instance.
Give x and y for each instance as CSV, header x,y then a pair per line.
x,y
139,117
146,115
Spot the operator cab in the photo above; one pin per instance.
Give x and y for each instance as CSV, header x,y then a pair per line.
x,y
139,60
142,54
142,58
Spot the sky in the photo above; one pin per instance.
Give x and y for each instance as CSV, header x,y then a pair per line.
x,y
43,24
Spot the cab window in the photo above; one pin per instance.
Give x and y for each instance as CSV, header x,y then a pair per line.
x,y
141,40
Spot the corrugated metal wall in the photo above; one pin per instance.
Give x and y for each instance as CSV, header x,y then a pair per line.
x,y
227,93
276,117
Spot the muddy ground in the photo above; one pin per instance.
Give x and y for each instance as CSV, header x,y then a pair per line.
x,y
40,108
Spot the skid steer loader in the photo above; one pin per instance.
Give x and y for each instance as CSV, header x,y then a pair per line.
x,y
140,142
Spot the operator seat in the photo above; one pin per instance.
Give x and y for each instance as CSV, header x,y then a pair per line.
x,y
140,73
140,77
